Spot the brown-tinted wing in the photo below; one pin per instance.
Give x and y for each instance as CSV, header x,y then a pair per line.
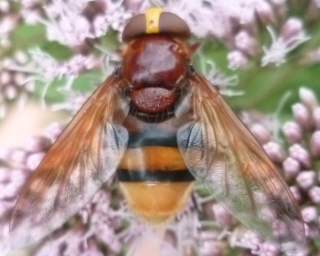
x,y
84,156
222,153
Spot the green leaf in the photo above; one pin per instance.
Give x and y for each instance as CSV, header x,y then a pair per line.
x,y
264,87
26,36
109,40
57,50
86,82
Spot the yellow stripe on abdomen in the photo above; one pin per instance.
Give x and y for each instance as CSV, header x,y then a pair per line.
x,y
152,158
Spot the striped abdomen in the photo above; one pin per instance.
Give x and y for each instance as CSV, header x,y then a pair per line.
x,y
152,174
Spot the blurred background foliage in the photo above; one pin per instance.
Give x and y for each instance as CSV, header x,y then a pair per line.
x,y
263,87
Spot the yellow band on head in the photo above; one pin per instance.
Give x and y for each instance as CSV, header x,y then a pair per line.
x,y
152,20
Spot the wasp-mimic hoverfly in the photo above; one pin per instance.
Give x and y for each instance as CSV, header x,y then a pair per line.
x,y
158,125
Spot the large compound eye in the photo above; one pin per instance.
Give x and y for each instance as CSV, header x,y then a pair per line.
x,y
168,23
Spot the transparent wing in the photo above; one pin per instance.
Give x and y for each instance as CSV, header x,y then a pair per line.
x,y
222,153
84,156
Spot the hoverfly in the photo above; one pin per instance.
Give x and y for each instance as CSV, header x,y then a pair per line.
x,y
158,125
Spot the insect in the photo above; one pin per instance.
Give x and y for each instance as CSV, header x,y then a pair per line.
x,y
158,125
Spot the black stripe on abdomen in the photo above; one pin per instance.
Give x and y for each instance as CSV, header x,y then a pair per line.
x,y
154,176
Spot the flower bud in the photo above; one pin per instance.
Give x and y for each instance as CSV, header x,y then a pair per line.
x,y
274,151
315,144
302,115
292,28
260,133
237,59
309,214
306,179
308,98
265,13
246,43
314,194
292,131
296,193
291,167
299,153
